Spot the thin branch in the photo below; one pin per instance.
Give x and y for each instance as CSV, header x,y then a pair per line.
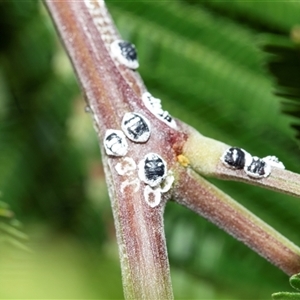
x,y
204,156
109,33
139,227
202,197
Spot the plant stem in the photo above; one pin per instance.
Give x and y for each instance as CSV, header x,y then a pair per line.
x,y
139,227
220,209
204,156
111,91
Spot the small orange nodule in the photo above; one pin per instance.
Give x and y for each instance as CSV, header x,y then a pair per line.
x,y
183,160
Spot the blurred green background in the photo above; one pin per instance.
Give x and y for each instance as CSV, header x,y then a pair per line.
x,y
210,62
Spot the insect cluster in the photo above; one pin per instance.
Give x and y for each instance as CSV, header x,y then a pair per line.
x,y
255,167
152,169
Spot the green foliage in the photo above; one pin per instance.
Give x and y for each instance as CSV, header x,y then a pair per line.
x,y
295,283
284,64
210,70
204,59
44,175
11,235
286,296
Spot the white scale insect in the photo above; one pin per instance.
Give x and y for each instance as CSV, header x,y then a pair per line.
x,y
152,195
274,161
136,127
115,143
125,53
153,171
255,167
236,158
258,168
126,167
154,105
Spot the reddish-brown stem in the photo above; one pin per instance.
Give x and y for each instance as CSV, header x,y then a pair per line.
x,y
221,210
283,181
139,227
111,91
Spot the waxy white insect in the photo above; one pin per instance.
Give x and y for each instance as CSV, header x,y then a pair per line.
x,y
274,162
115,143
236,158
258,168
167,183
152,169
136,127
154,105
126,166
152,196
125,53
132,183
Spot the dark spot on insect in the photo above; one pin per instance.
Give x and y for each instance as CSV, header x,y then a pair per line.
x,y
113,139
166,116
235,157
128,50
136,127
115,143
125,53
154,168
258,168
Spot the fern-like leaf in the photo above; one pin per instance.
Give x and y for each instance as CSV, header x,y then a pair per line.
x,y
295,283
10,233
284,65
